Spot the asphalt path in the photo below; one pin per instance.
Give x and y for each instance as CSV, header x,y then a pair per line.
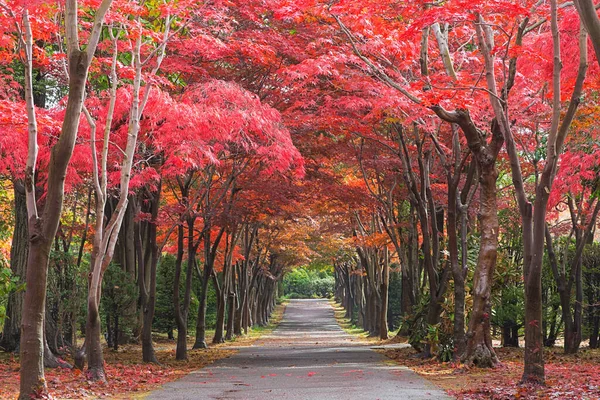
x,y
308,356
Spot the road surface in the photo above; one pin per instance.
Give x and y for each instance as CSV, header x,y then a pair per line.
x,y
307,357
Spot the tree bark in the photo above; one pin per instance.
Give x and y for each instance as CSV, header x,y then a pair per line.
x,y
221,304
148,294
383,311
18,265
43,230
231,307
200,342
479,350
181,312
534,220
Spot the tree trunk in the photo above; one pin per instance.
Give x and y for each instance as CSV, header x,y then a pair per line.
x,y
93,335
479,350
231,307
50,360
241,298
148,308
147,269
18,265
434,311
457,273
180,320
116,334
221,303
595,322
43,230
510,334
383,311
200,342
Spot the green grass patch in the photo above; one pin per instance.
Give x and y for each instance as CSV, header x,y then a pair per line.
x,y
346,324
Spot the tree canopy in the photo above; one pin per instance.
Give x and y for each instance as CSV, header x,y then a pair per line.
x,y
439,159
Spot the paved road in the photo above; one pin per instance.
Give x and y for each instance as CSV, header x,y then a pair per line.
x,y
307,357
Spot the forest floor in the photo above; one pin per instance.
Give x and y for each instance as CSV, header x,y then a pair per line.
x,y
572,377
128,377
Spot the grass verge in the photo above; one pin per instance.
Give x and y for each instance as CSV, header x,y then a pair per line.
x,y
350,328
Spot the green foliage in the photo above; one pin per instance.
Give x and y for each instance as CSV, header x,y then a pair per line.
x,y
67,287
309,282
440,341
119,293
416,325
6,215
510,307
508,304
164,317
395,299
591,278
438,337
8,284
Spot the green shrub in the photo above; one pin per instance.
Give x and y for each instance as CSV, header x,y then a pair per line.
x,y
306,283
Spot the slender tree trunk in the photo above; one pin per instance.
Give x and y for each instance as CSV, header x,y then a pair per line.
x,y
595,330
241,299
200,342
231,307
18,265
181,352
383,320
149,301
221,304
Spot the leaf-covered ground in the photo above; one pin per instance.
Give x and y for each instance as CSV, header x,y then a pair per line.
x,y
573,377
128,378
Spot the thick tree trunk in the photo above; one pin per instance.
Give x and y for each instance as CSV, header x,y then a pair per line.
x,y
50,360
479,350
43,230
79,358
534,338
434,311
93,335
